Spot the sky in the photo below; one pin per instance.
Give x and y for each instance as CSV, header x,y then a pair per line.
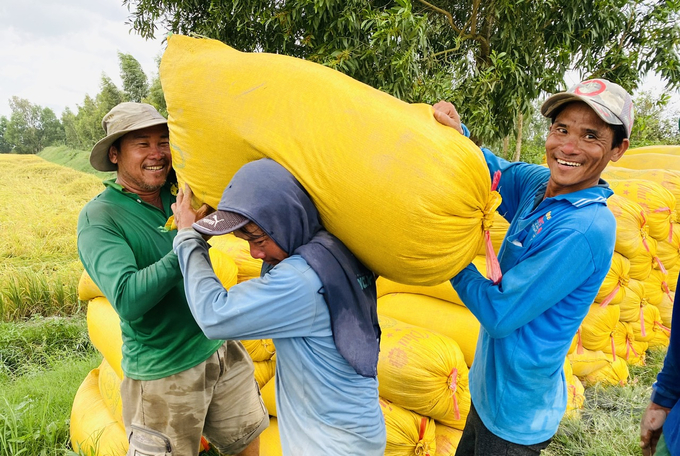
x,y
54,52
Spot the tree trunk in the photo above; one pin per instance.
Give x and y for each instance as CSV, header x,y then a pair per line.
x,y
506,145
518,146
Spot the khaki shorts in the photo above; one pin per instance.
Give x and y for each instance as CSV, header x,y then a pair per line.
x,y
219,398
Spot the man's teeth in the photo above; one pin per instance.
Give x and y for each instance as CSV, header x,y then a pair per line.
x,y
566,163
154,168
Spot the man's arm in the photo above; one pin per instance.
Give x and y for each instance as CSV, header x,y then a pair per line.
x,y
108,259
529,288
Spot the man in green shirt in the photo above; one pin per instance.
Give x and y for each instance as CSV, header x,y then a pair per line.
x,y
178,384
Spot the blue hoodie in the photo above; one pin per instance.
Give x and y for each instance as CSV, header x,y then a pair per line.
x,y
554,258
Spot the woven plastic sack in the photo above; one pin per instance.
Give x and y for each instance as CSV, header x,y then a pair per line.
x,y
585,362
632,231
497,233
407,195
438,315
87,289
260,349
103,327
239,251
224,266
447,439
423,371
666,178
660,339
668,251
656,287
658,203
666,309
672,278
657,149
268,393
634,297
575,391
611,291
625,346
598,326
270,441
444,291
109,389
264,371
645,327
408,433
648,161
615,372
93,429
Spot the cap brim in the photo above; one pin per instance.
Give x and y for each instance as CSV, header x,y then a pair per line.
x,y
560,99
99,157
220,222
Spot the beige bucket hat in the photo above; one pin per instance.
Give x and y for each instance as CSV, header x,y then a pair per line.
x,y
120,120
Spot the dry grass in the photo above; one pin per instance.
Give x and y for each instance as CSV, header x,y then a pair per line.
x,y
39,206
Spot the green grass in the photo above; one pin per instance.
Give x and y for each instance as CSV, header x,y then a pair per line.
x,y
609,423
42,364
72,158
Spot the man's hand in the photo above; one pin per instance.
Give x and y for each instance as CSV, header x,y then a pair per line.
x,y
185,215
445,113
651,426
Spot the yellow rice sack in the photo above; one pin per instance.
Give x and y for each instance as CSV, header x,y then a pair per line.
x,y
634,297
575,391
658,203
666,178
408,434
260,349
665,307
497,233
103,327
443,291
423,371
109,389
625,346
611,291
268,392
657,149
656,287
672,279
409,196
447,439
584,362
264,371
597,327
615,372
87,289
224,266
238,250
648,161
93,429
632,230
270,442
668,251
438,315
661,339
645,327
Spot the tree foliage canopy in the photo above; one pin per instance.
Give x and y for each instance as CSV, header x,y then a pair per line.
x,y
492,59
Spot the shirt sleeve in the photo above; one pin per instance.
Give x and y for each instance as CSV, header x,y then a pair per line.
x,y
282,304
529,288
111,264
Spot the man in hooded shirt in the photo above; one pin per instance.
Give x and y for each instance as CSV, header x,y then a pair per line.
x,y
314,299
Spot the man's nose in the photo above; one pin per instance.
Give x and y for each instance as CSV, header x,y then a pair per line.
x,y
256,253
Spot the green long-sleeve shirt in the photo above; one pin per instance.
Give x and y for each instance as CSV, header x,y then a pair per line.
x,y
128,254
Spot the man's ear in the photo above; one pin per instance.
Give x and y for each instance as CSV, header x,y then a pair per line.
x,y
113,155
620,150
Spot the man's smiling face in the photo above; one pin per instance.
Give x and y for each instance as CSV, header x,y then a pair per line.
x,y
578,148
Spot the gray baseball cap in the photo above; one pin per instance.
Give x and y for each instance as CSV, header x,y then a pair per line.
x,y
120,120
610,101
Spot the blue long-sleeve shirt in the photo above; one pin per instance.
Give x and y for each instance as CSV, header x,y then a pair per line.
x,y
323,405
554,258
666,389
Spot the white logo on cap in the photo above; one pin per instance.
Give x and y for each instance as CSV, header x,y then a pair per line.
x,y
212,221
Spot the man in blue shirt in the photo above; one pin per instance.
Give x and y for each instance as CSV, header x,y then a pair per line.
x,y
661,421
554,258
315,300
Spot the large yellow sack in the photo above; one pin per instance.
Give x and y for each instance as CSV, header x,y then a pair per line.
x,y
657,201
598,325
408,434
611,291
673,275
443,317
270,441
625,346
497,233
260,349
668,251
447,439
93,429
87,289
103,327
598,367
407,195
224,266
239,251
644,328
109,389
423,371
632,230
264,371
657,149
656,287
665,307
666,178
634,298
648,161
575,391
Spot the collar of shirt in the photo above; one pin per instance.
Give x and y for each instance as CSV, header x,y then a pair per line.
x,y
592,195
